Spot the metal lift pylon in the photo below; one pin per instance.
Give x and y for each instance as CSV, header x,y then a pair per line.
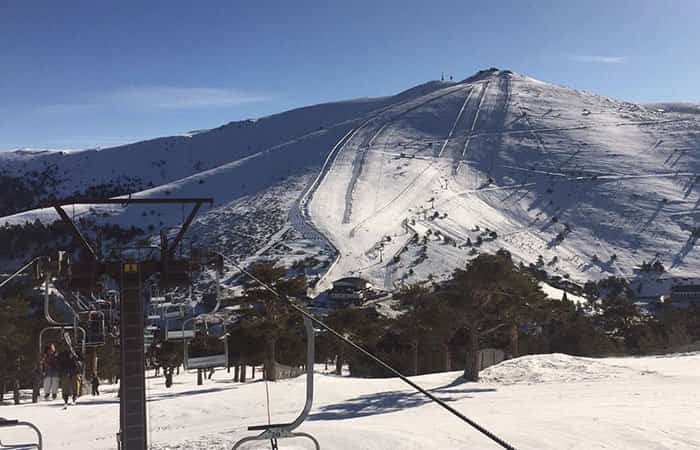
x,y
273,432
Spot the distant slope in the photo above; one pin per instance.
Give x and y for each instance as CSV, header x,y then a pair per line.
x,y
234,164
138,166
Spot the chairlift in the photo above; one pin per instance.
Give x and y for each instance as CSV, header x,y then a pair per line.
x,y
273,432
10,423
96,329
154,295
65,336
171,312
206,350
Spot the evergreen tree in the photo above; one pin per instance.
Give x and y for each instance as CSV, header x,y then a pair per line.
x,y
480,295
425,317
362,325
17,344
269,323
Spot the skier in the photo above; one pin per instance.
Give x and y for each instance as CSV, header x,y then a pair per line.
x,y
49,369
95,384
70,376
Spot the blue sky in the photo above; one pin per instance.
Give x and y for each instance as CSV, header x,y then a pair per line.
x,y
79,74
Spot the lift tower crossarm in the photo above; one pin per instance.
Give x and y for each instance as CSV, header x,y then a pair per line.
x,y
132,201
183,229
76,232
139,200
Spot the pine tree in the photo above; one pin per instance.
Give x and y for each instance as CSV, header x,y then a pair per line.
x,y
274,312
477,298
361,325
16,332
424,317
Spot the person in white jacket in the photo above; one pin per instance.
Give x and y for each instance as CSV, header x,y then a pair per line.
x,y
49,369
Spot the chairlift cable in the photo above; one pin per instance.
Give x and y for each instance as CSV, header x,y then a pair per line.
x,y
375,358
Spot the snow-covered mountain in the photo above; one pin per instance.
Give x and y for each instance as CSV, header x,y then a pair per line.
x,y
404,187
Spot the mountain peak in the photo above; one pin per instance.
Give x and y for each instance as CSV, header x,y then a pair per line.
x,y
491,72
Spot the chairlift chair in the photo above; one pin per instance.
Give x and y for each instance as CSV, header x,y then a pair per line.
x,y
63,331
155,296
273,432
11,423
96,329
205,350
170,312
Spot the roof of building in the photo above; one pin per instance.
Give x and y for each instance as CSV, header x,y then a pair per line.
x,y
353,281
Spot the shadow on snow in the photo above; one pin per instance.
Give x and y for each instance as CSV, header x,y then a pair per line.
x,y
392,401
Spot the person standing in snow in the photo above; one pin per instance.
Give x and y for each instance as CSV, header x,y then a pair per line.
x,y
95,384
50,371
70,376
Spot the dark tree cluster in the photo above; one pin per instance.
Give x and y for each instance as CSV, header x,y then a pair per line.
x,y
19,348
39,188
37,239
495,303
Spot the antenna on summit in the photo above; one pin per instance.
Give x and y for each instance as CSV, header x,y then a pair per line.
x,y
442,76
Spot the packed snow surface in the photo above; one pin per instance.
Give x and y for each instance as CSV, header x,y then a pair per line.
x,y
533,402
555,368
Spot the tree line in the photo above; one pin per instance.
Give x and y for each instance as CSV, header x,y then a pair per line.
x,y
438,326
435,326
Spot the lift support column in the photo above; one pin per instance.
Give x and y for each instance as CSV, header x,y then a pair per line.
x,y
132,400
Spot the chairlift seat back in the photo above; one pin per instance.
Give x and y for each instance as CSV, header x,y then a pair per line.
x,y
206,362
179,334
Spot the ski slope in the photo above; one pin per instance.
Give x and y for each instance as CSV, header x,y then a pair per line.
x,y
533,402
593,185
275,157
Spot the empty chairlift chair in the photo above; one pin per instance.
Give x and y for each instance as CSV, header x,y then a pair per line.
x,y
171,314
6,424
208,349
96,329
273,432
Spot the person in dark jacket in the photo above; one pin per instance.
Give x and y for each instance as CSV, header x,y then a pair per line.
x,y
95,384
70,367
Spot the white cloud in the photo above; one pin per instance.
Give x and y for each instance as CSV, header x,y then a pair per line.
x,y
597,59
167,97
159,97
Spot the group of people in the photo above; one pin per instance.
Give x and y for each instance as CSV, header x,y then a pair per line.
x,y
64,369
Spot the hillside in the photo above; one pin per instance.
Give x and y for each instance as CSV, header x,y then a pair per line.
x,y
406,187
134,167
593,185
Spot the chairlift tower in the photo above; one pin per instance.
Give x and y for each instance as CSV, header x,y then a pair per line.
x,y
131,273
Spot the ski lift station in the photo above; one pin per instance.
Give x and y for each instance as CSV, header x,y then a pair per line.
x,y
353,289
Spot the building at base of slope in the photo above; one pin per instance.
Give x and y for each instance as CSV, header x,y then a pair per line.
x,y
685,291
351,289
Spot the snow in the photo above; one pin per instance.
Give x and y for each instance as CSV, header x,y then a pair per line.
x,y
593,185
519,157
533,402
554,368
558,294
